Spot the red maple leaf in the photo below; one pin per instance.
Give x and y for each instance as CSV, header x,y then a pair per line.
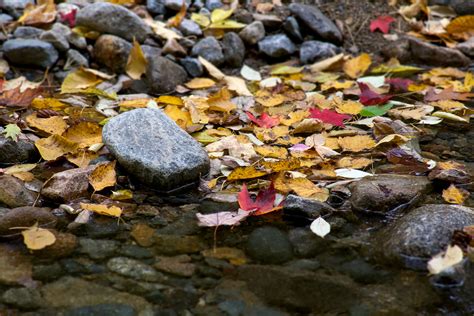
x,y
382,23
399,84
369,97
69,18
264,120
264,203
328,116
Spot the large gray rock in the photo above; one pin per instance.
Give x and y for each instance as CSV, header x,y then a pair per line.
x,y
277,46
163,75
312,51
317,22
210,49
384,193
424,232
433,55
112,51
151,147
30,52
113,19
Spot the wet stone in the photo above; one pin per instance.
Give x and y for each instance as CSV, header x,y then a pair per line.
x,y
112,51
306,244
23,298
210,49
312,51
151,147
276,46
292,28
193,66
98,249
179,265
102,309
234,49
64,246
13,192
189,27
133,269
269,245
27,32
68,185
176,245
47,272
143,234
81,266
163,75
26,216
16,266
30,52
299,209
253,33
136,252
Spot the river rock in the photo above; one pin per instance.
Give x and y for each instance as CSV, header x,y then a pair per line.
x,y
113,19
307,244
23,298
64,245
112,51
98,249
30,52
269,245
296,207
13,192
189,27
253,33
384,193
467,47
68,185
431,54
133,269
424,232
155,6
75,59
102,309
16,266
163,75
312,51
311,17
179,265
193,66
151,147
276,46
14,152
210,49
58,36
292,28
175,5
234,49
27,32
25,217
176,245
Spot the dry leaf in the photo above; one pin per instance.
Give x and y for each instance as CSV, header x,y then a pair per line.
x,y
356,67
82,157
114,211
326,63
200,83
36,238
103,176
455,195
356,143
320,227
452,256
137,62
78,80
50,125
84,133
55,146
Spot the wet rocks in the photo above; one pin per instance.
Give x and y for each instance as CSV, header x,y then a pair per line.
x,y
151,147
269,245
25,217
384,193
16,266
30,52
176,245
234,49
319,24
113,19
175,5
296,207
306,244
312,51
133,269
430,54
179,265
163,75
13,192
64,245
24,298
13,152
253,33
112,51
58,36
98,249
276,46
189,27
423,232
210,49
68,185
155,6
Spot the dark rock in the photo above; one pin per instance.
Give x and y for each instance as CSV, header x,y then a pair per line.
x,y
98,249
276,46
5,18
189,27
172,47
176,245
424,232
253,33
210,49
213,4
467,47
155,7
317,22
57,36
307,244
269,245
102,228
150,146
175,5
113,19
77,41
47,272
179,265
30,52
112,51
192,66
102,309
13,192
163,75
27,32
312,51
12,152
430,54
75,59
307,209
68,185
399,49
23,298
25,217
234,49
134,251
16,266
133,269
384,193
272,23
64,245
462,7
292,28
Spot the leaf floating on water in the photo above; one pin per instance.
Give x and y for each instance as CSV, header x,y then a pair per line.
x,y
320,227
455,195
445,260
36,238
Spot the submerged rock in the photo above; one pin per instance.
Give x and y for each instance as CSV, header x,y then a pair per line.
x,y
151,147
16,266
30,52
269,245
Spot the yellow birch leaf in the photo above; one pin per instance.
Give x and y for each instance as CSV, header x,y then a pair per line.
x,y
272,151
356,143
237,85
180,116
356,67
282,165
327,63
169,99
82,157
24,176
120,195
337,85
103,176
84,133
47,103
218,15
349,107
36,238
271,100
241,173
455,195
112,210
55,146
78,80
227,24
211,69
136,63
294,117
50,125
200,83
396,139
200,19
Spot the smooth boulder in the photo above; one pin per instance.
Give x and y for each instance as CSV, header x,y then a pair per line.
x,y
151,147
30,52
163,75
276,46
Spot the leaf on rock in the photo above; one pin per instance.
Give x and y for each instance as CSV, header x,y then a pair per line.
x,y
103,176
112,210
264,120
356,67
320,227
12,131
137,62
84,133
442,261
222,218
369,97
328,116
55,146
455,195
36,238
382,23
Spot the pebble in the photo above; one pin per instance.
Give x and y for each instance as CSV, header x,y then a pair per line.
x,y
234,49
193,66
179,265
253,33
163,75
16,266
307,244
311,17
189,27
213,4
64,246
133,269
102,309
292,28
269,245
175,5
210,49
27,32
156,7
75,59
312,51
98,249
102,227
143,234
176,245
112,51
26,216
30,52
23,298
151,147
276,46
15,152
13,192
57,36
113,19
68,185
431,54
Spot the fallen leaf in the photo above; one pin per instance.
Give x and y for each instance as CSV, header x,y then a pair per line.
x,y
356,67
137,62
84,133
12,131
112,210
369,97
201,19
222,218
461,24
43,13
250,74
446,94
356,143
50,125
326,64
264,202
103,176
55,146
36,238
382,23
244,173
320,227
78,80
264,120
351,173
200,83
121,195
237,85
442,261
455,195
178,18
69,17
272,151
399,84
375,110
328,116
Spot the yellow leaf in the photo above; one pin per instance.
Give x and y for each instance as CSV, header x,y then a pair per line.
x,y
170,99
337,85
200,83
201,19
221,102
79,80
356,143
356,67
349,107
282,165
19,168
271,100
82,157
449,105
103,176
301,186
180,116
218,15
396,139
271,134
455,195
461,24
326,64
160,29
122,195
354,162
211,69
237,85
227,24
411,112
43,13
294,117
36,238
286,70
122,2
136,63
114,211
84,133
241,173
47,103
197,107
55,146
50,125
272,151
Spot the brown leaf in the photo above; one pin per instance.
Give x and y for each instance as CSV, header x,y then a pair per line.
x,y
103,176
55,146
